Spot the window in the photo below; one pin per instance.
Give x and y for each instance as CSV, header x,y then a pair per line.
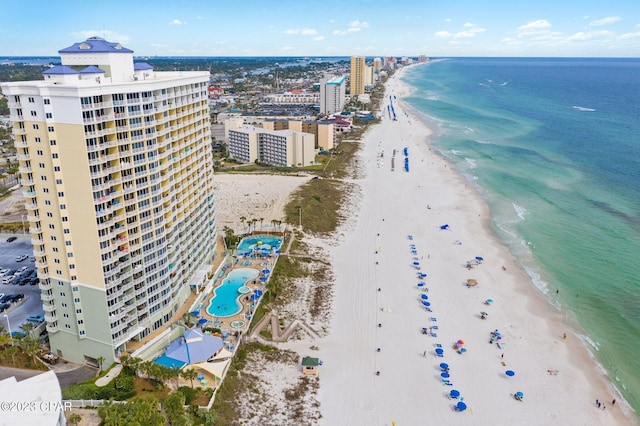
x,y
58,181
66,230
62,294
53,238
56,168
55,249
35,127
63,206
65,315
69,254
51,226
67,326
43,178
52,142
49,214
47,202
78,311
48,115
39,152
75,288
80,321
82,332
65,219
38,140
58,271
45,190
73,278
50,129
34,114
76,300
56,260
60,194
41,165
31,100
67,243
64,305
54,155
47,101
72,266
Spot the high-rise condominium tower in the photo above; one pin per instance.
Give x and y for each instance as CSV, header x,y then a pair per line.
x,y
357,75
116,167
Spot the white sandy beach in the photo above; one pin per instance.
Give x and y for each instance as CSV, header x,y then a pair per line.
x,y
375,253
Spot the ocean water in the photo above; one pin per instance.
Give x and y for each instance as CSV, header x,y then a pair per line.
x,y
553,146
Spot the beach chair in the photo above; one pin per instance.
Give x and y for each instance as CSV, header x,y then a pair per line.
x,y
434,335
435,327
428,309
438,345
434,319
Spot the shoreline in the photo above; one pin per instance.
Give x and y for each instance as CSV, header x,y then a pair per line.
x,y
533,340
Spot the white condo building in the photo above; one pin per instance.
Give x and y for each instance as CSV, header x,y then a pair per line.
x,y
286,148
116,167
332,95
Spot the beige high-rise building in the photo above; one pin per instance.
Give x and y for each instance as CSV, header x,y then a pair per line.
x,y
116,167
357,75
332,95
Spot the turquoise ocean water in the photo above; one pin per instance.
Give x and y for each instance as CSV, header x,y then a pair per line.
x,y
553,146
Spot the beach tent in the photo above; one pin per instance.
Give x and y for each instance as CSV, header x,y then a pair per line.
x,y
510,373
446,226
217,369
471,282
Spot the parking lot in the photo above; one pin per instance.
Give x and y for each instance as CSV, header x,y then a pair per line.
x,y
17,313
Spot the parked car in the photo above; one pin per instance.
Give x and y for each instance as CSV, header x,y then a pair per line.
x,y
34,280
35,318
4,307
18,334
11,239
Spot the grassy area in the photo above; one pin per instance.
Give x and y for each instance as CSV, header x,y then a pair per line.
x,y
12,227
316,205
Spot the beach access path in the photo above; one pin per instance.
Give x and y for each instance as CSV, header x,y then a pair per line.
x,y
375,253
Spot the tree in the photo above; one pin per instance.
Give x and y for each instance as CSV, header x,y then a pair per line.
x,y
261,219
139,411
174,408
242,220
74,418
189,374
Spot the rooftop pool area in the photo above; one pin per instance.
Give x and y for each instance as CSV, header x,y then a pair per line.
x,y
256,242
225,301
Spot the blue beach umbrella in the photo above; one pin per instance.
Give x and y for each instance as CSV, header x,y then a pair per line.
x,y
202,321
519,394
416,263
480,258
444,365
510,373
420,284
263,278
454,393
445,375
461,406
439,350
426,304
265,271
424,296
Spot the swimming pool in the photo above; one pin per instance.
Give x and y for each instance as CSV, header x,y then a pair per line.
x,y
225,301
267,241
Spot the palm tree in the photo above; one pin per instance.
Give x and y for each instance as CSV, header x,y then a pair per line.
x,y
134,364
242,220
189,374
274,223
261,219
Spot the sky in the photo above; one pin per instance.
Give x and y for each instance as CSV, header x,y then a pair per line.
x,y
435,28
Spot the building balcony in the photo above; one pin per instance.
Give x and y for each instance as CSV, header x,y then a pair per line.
x,y
49,307
47,298
52,328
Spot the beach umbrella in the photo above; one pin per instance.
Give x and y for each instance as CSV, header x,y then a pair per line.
x,y
425,303
444,365
265,271
460,342
445,375
489,300
263,278
439,350
420,284
416,263
461,406
255,297
454,393
519,394
424,296
445,226
195,313
257,292
480,258
510,373
278,251
202,321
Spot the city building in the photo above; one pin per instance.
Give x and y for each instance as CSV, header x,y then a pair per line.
x,y
332,95
357,75
36,400
115,162
286,148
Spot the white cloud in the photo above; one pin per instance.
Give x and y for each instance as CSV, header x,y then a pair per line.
x,y
303,31
447,20
605,21
177,22
199,17
318,38
588,35
105,34
442,34
354,26
286,48
533,28
630,35
471,31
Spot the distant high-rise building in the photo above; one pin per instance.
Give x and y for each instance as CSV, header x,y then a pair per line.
x,y
357,75
115,162
377,65
332,95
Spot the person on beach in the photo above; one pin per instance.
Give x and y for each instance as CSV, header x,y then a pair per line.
x,y
613,402
564,337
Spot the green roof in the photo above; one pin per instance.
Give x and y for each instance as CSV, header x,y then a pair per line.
x,y
310,362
